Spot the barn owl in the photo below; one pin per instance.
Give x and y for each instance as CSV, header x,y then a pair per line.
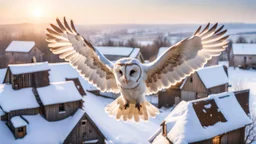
x,y
127,76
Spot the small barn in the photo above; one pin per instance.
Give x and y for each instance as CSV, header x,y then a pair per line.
x,y
18,126
217,119
208,80
243,54
19,52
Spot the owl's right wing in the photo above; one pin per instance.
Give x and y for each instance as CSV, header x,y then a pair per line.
x,y
88,61
184,58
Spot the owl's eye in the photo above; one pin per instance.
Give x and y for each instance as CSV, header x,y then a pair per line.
x,y
132,72
121,73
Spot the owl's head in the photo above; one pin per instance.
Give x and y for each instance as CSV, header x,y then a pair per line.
x,y
128,72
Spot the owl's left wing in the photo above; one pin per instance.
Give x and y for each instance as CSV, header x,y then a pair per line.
x,y
87,60
184,58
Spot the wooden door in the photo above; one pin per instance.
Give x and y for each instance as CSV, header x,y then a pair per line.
x,y
188,95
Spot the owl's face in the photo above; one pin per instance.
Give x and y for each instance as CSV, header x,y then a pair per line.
x,y
128,73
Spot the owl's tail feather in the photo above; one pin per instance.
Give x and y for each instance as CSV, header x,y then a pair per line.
x,y
117,109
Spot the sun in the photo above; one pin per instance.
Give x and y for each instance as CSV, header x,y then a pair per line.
x,y
37,12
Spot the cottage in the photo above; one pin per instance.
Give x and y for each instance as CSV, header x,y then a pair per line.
x,y
208,80
243,55
206,120
19,52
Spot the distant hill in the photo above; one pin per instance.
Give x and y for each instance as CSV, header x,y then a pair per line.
x,y
172,28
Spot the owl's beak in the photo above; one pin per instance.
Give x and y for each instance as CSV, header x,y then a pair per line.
x,y
126,81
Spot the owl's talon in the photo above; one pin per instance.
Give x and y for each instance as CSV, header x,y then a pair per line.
x,y
138,106
126,105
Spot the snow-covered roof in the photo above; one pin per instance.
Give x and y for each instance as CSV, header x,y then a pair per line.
x,y
29,68
17,121
121,51
185,126
60,92
16,99
161,51
20,46
120,131
41,131
213,76
244,49
2,74
60,71
145,43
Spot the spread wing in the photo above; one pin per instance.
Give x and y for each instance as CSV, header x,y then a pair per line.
x,y
184,58
64,41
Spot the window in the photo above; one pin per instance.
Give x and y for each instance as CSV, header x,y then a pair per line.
x,y
216,140
245,59
20,129
61,108
191,79
84,122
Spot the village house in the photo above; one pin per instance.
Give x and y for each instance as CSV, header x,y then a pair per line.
x,y
216,119
28,100
196,86
243,54
19,52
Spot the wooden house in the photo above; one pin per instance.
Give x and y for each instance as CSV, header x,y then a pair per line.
x,y
208,80
85,131
243,55
19,52
27,75
205,121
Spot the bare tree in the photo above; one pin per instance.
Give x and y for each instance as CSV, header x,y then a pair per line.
x,y
241,39
132,43
250,131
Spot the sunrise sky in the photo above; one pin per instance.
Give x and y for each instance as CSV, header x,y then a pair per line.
x,y
128,11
